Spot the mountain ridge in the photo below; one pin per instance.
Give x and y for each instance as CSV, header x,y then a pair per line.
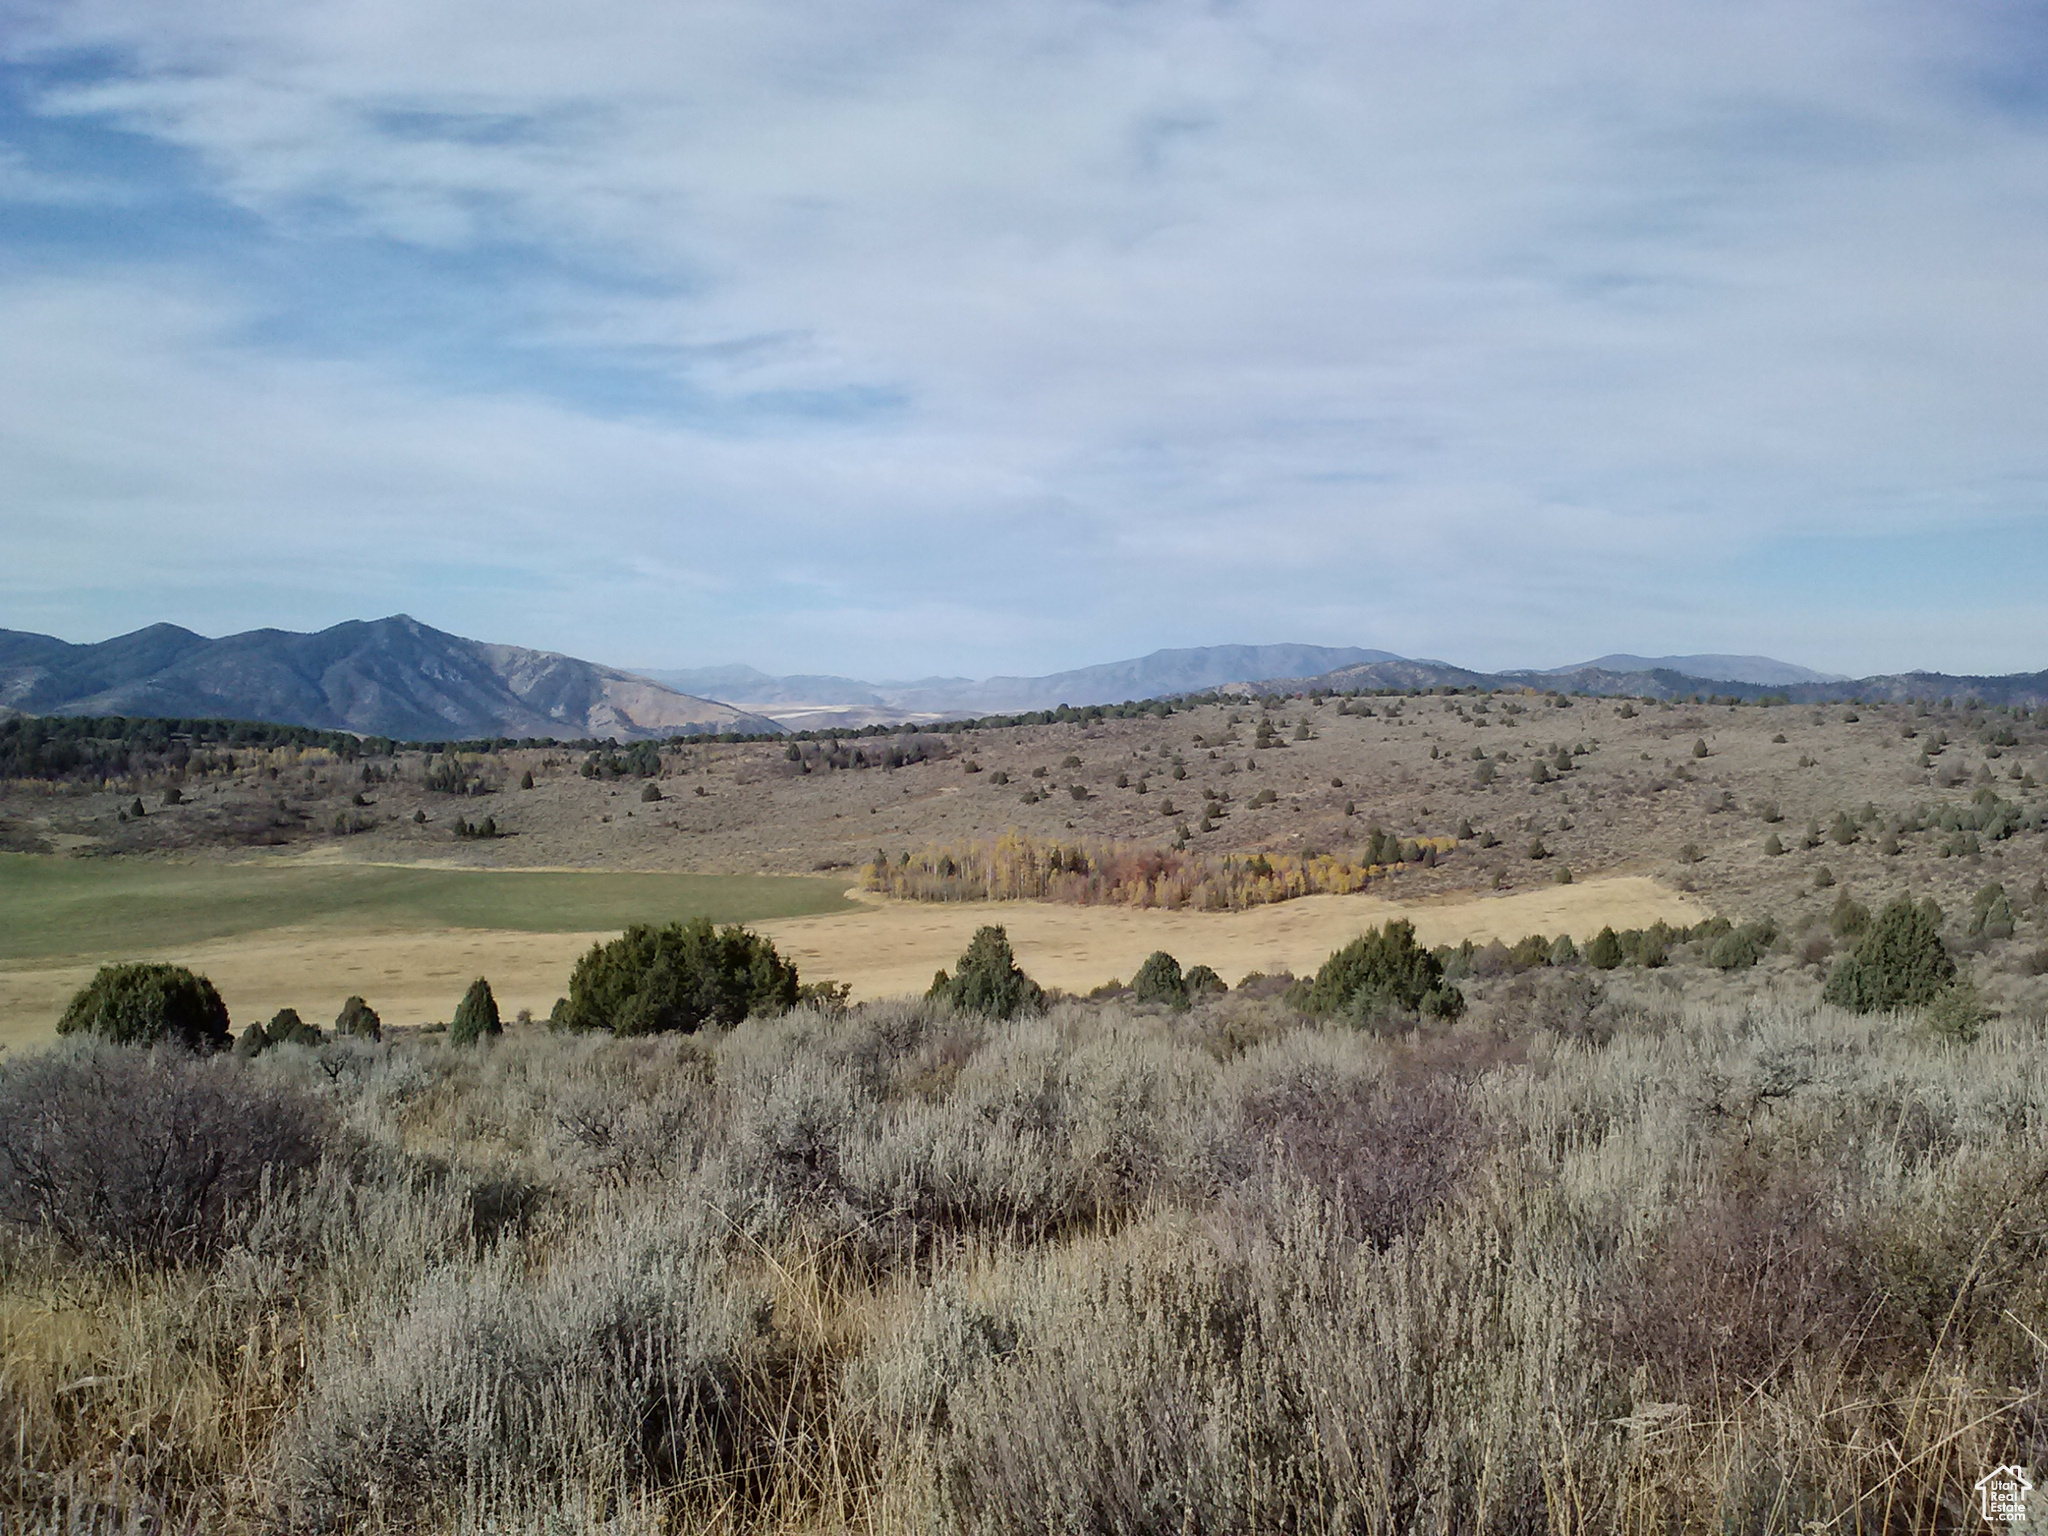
x,y
390,677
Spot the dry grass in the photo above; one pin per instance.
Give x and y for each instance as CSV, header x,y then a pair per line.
x,y
1714,1265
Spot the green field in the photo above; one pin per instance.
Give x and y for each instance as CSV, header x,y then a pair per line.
x,y
53,906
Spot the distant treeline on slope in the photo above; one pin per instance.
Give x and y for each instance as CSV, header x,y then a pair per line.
x,y
81,747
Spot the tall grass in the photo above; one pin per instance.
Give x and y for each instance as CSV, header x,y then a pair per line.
x,y
1724,1265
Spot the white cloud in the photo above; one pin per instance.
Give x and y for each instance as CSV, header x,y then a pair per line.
x,y
1530,329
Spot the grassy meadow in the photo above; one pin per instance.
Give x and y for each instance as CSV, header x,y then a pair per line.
x,y
91,907
1601,1258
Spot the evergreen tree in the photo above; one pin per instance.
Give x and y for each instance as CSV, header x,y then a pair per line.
x,y
678,978
476,1016
1384,968
987,980
1159,980
149,1005
1604,953
358,1018
1900,962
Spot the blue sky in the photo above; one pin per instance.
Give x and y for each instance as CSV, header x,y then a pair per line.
x,y
901,338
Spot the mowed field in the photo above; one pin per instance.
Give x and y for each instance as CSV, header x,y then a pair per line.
x,y
306,935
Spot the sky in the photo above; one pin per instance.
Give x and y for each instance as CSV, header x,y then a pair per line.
x,y
891,337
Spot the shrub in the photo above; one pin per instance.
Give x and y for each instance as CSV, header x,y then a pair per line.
x,y
1159,980
1849,917
1604,953
1741,1287
1991,914
678,977
650,792
1899,963
359,1019
1201,981
287,1028
476,1016
145,1157
1772,847
252,1043
1735,951
618,1367
1959,1013
149,1005
1384,968
987,980
1699,747
1387,1156
1563,951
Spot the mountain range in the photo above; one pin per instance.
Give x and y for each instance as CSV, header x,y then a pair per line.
x,y
814,702
390,677
807,702
399,678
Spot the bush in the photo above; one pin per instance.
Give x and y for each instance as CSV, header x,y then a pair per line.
x,y
1849,917
287,1028
149,1005
1159,980
1991,914
144,1157
1201,981
1384,968
619,1366
987,980
476,1016
1736,951
679,977
1604,953
1899,963
359,1019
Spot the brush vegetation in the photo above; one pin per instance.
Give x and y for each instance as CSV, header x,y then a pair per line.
x,y
1572,1262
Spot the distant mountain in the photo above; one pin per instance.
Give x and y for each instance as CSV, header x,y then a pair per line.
x,y
820,701
2029,688
387,677
1762,670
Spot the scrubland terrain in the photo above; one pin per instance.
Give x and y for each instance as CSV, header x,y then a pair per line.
x,y
1632,796
1603,1256
1864,801
1645,1248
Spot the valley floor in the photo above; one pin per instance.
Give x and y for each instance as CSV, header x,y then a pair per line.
x,y
881,948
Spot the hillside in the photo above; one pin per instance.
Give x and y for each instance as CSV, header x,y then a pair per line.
x,y
386,677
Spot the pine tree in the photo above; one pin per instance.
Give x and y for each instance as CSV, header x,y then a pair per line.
x,y
476,1016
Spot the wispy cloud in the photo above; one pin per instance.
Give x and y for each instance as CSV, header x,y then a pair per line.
x,y
910,337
